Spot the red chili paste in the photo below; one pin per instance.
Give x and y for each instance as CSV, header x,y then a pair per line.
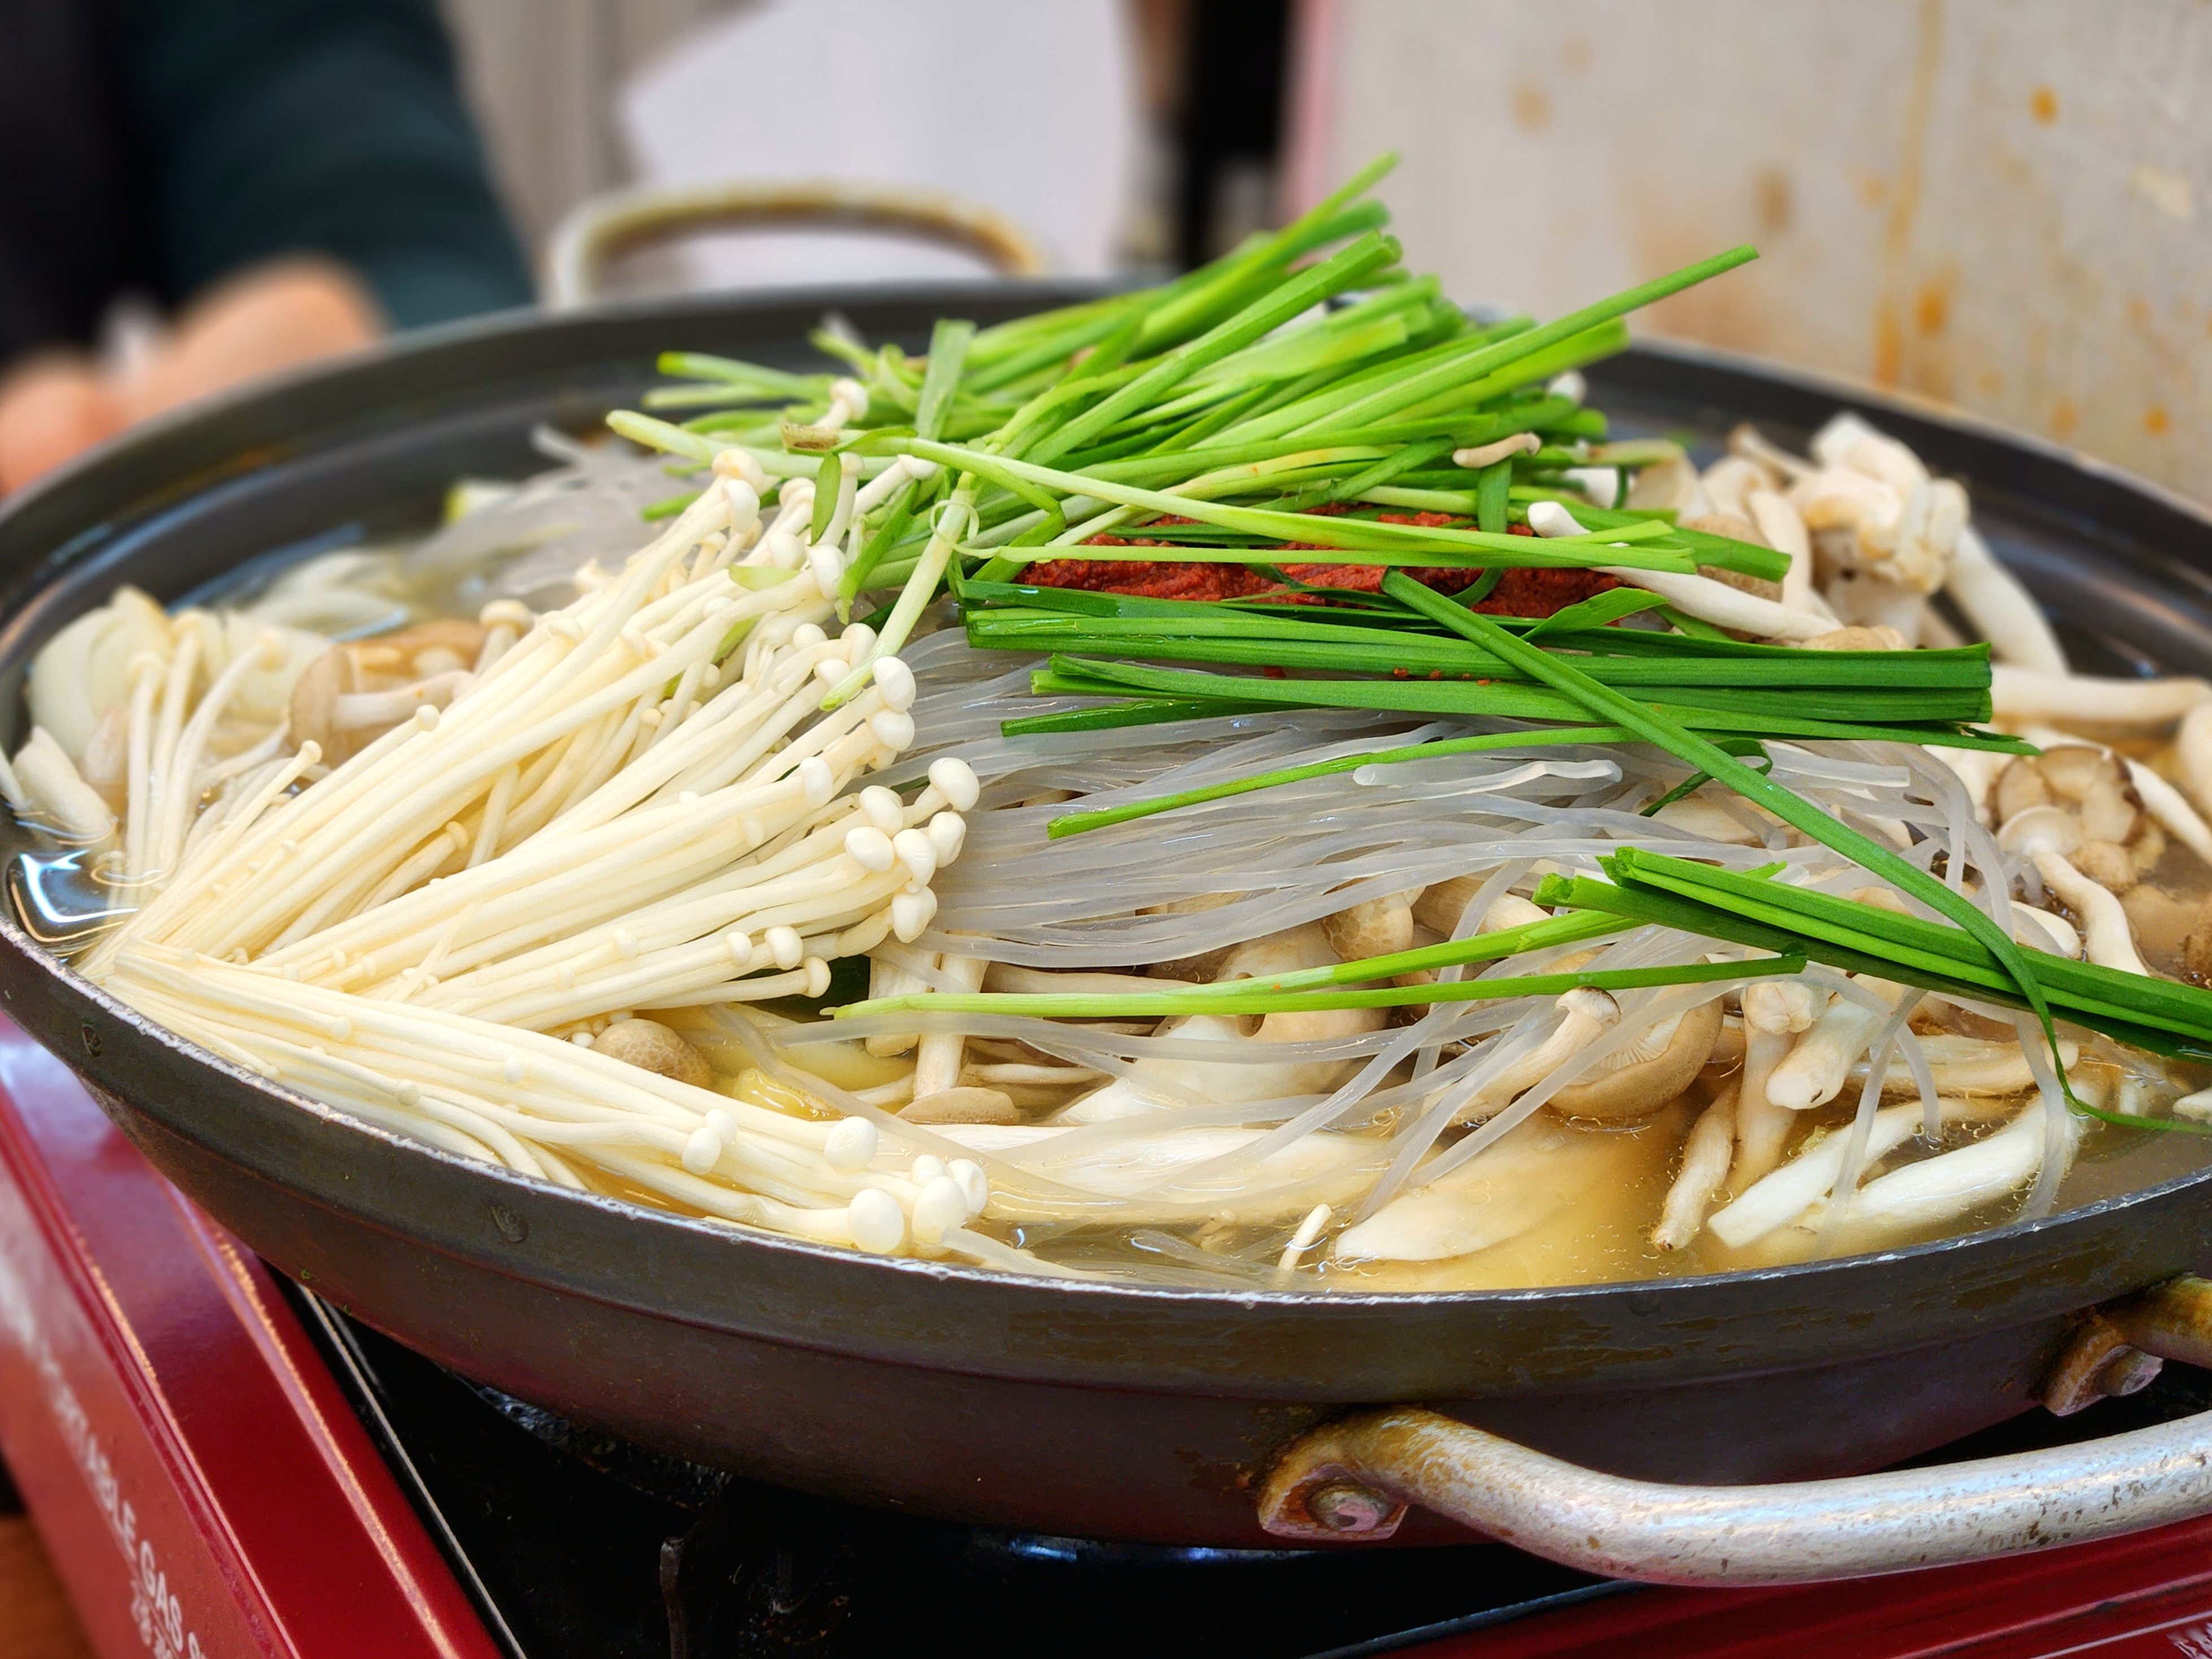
x,y
1519,592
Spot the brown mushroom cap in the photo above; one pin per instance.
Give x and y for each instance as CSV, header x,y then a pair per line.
x,y
651,1046
961,1106
1377,927
1640,1089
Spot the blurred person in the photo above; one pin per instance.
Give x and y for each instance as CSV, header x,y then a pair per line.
x,y
285,179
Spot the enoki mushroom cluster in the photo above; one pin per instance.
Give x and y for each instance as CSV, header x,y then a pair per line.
x,y
635,804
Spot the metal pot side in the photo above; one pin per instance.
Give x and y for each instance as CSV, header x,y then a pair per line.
x,y
1103,1411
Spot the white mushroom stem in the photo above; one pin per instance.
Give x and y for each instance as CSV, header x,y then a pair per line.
x,y
1821,1060
2027,694
1747,442
1504,449
2039,930
1784,528
2172,809
2106,935
937,1063
2001,610
1584,1016
1777,1199
1696,596
1968,1066
1706,1155
1762,1125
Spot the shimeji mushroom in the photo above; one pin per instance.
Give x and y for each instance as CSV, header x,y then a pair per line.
x,y
356,691
1706,1155
1652,1069
2081,801
1820,1061
1954,1183
2106,936
1968,1066
1996,603
1585,1015
1774,1012
2029,694
1886,534
938,1095
1700,597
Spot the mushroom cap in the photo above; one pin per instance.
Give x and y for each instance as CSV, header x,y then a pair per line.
x,y
2041,829
961,1106
651,1046
1643,1087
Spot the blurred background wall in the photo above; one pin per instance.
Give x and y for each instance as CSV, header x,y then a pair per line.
x,y
2006,206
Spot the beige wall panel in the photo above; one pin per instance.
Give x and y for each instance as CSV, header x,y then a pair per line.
x,y
2001,204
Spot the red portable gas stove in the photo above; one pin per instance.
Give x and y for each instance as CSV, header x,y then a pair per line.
x,y
220,1464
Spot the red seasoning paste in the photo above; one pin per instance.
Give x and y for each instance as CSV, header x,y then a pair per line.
x,y
1519,592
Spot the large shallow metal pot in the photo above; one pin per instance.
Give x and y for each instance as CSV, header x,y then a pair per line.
x,y
1084,1409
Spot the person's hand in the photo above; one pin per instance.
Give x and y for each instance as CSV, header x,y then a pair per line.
x,y
54,405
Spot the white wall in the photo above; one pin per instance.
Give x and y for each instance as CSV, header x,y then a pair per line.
x,y
2007,206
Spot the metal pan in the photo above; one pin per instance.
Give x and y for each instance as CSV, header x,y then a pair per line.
x,y
1104,1411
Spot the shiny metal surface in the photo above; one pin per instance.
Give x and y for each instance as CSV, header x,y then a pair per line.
x,y
1333,1485
600,230
1353,1480
1097,1410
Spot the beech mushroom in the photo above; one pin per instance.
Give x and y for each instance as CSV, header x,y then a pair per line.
x,y
356,692
1374,927
1585,1015
1813,1071
2105,934
1774,1012
1706,1155
1635,1081
1953,1183
2027,694
1698,596
961,1105
2001,609
652,1045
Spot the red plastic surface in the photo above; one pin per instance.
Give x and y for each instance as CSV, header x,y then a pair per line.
x,y
201,1482
205,1489
2145,1597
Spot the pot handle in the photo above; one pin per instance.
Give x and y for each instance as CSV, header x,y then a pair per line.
x,y
599,229
1353,1479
